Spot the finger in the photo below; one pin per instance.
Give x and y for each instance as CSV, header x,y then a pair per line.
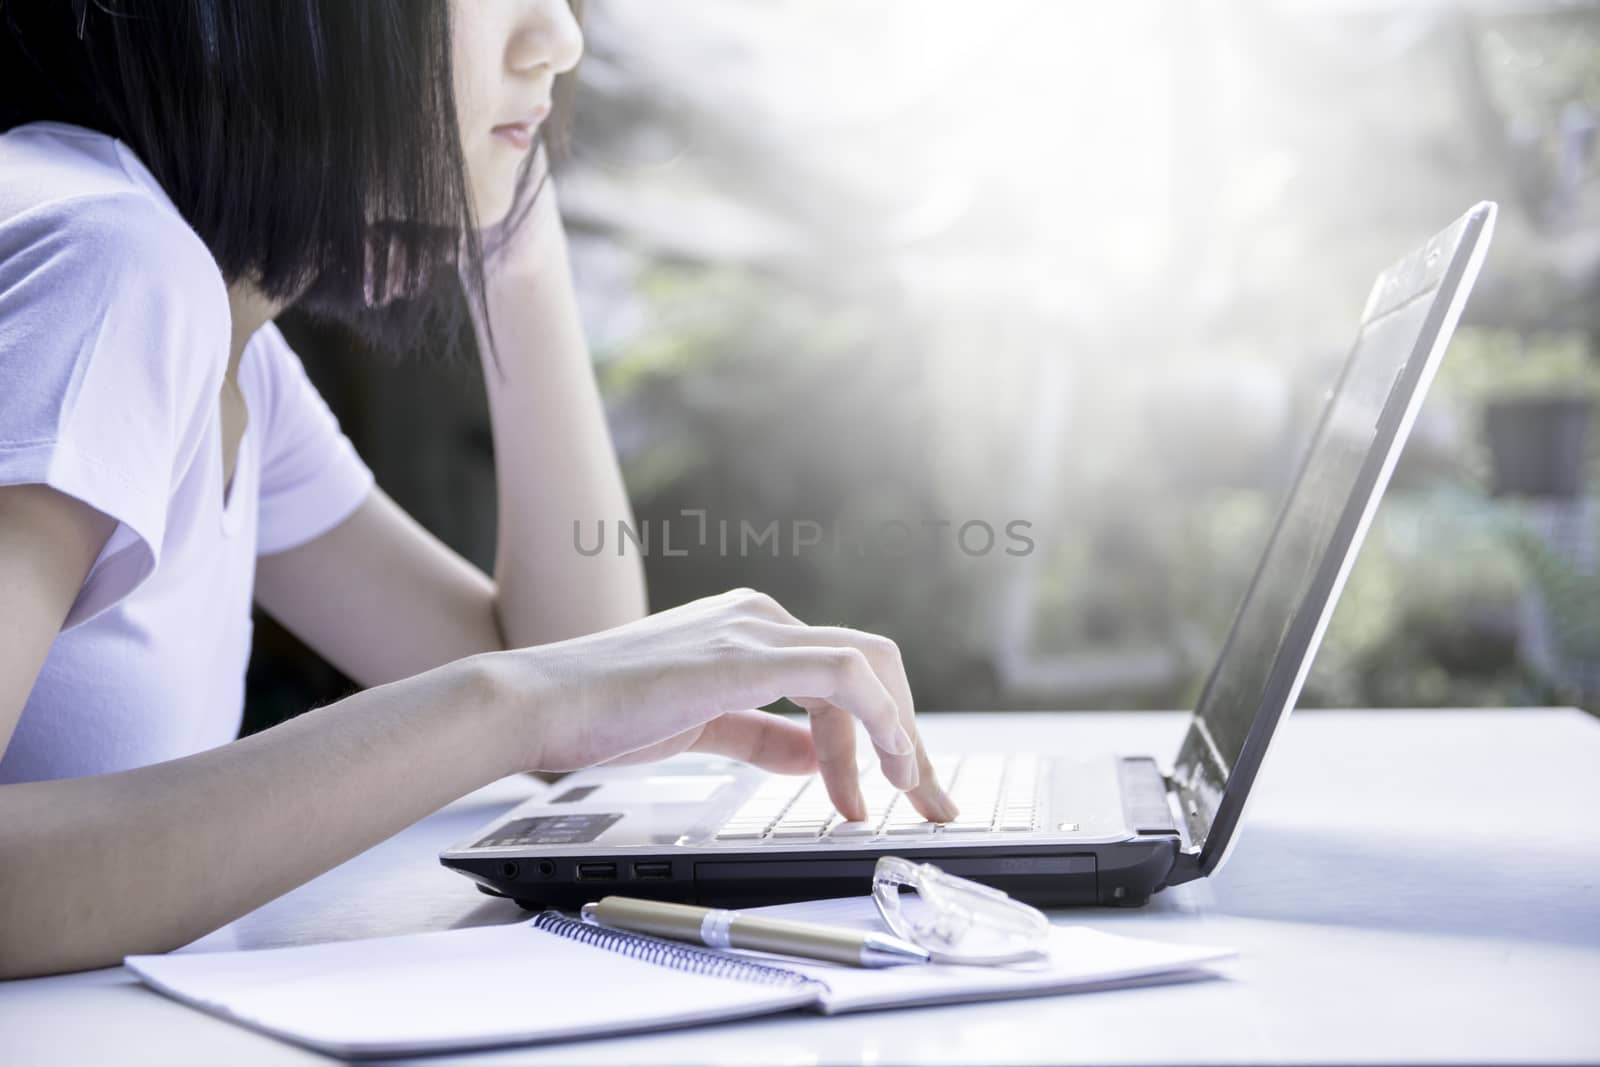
x,y
833,736
911,771
843,678
883,656
762,739
929,797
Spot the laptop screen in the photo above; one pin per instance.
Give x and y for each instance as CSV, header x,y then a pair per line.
x,y
1258,674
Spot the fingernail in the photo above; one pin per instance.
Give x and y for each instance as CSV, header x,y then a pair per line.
x,y
913,777
903,745
949,806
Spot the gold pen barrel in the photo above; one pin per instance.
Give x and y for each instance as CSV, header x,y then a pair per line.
x,y
720,928
796,939
680,922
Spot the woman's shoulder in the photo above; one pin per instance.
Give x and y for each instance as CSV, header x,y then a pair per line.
x,y
88,240
43,162
112,311
83,195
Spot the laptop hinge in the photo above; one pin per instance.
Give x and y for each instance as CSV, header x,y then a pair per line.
x,y
1144,797
1154,805
1186,864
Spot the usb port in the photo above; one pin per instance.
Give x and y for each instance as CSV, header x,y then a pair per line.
x,y
597,872
653,869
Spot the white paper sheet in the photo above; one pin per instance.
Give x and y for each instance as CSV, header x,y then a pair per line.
x,y
1078,957
449,990
512,984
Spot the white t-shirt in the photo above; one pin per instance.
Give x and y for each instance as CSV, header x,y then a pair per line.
x,y
114,340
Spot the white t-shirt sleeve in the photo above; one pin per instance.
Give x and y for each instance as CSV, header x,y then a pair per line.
x,y
113,334
311,477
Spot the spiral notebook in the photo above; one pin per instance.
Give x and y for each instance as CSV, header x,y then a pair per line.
x,y
555,978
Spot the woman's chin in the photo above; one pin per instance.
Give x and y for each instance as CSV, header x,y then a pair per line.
x,y
491,221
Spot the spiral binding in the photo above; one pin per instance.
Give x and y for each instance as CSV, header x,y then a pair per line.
x,y
672,954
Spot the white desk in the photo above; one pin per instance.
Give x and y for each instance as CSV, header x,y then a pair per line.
x,y
1411,887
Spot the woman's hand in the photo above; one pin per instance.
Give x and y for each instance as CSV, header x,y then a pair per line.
x,y
687,679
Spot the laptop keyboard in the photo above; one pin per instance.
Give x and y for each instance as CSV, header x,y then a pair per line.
x,y
997,793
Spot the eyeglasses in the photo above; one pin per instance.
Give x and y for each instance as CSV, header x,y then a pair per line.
x,y
956,920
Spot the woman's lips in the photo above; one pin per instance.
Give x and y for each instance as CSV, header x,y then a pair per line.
x,y
519,134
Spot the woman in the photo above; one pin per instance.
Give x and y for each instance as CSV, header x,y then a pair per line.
x,y
173,173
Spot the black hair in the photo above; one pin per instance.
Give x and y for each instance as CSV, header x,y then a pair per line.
x,y
311,144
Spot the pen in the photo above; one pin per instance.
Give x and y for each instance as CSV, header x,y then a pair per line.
x,y
721,928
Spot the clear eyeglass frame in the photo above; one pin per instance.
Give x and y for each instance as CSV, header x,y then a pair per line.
x,y
956,920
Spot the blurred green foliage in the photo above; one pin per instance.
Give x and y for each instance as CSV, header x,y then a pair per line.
x,y
823,365
1089,266
1498,362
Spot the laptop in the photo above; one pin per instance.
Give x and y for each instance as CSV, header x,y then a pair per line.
x,y
1051,830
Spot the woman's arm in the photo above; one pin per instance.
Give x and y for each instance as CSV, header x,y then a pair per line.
x,y
382,598
555,463
94,868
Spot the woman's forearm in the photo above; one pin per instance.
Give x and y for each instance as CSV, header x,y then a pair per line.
x,y
92,869
555,461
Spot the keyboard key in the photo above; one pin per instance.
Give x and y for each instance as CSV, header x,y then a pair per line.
x,y
751,811
973,806
813,811
994,792
743,815
905,815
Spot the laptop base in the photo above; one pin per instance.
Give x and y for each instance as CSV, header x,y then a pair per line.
x,y
1124,874
1121,873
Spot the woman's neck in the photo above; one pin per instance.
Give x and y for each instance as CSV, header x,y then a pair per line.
x,y
250,310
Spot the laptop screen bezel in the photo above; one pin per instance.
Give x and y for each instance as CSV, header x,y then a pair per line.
x,y
1197,759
